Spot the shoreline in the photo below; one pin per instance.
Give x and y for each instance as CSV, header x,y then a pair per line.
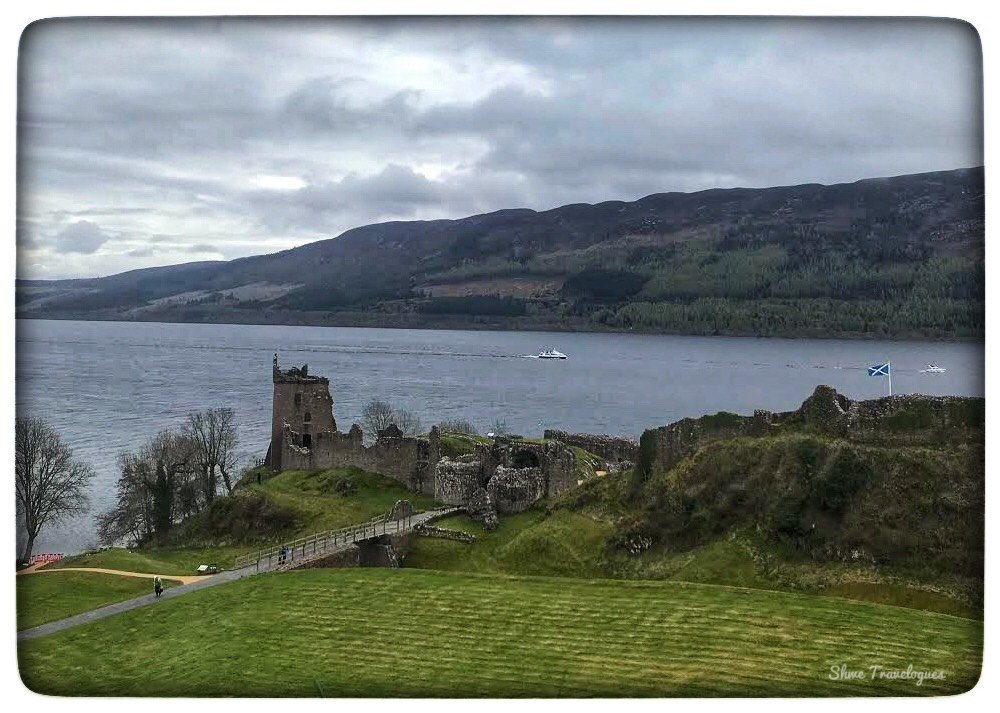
x,y
446,325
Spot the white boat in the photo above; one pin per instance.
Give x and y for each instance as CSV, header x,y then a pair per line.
x,y
933,369
550,354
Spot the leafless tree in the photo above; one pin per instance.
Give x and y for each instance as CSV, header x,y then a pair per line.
x,y
376,416
130,519
51,484
500,427
458,425
409,423
157,487
213,433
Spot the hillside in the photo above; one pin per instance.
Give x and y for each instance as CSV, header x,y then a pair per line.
x,y
891,257
877,500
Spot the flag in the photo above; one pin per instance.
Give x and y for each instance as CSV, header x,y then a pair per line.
x,y
879,370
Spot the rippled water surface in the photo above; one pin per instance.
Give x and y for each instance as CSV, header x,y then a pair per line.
x,y
107,386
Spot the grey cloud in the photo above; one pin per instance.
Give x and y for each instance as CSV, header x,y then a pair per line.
x,y
325,104
403,118
81,237
201,248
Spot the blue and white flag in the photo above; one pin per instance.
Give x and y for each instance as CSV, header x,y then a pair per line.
x,y
879,370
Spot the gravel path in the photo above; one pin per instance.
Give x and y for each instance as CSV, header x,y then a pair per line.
x,y
182,578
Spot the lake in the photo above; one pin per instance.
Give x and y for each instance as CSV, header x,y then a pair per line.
x,y
108,386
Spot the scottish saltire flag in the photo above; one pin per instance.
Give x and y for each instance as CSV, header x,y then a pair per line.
x,y
879,370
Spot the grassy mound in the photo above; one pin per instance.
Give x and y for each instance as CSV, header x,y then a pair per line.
x,y
563,543
335,498
373,632
47,597
286,506
825,500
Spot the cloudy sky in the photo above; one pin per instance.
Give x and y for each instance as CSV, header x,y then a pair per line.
x,y
148,143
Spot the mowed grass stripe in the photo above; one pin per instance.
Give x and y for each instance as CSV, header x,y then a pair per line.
x,y
889,642
419,633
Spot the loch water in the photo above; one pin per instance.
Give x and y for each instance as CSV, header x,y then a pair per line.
x,y
108,386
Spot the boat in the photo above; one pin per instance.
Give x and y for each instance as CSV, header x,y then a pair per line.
x,y
933,369
550,354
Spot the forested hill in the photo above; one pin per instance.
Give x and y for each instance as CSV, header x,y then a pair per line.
x,y
899,257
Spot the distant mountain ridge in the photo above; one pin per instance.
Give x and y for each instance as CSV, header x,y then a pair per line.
x,y
898,256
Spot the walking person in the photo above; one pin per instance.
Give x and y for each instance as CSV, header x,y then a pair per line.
x,y
157,587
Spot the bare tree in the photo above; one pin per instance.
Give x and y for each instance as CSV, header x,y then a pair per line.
x,y
157,487
500,428
213,433
130,519
376,416
458,425
171,458
409,423
51,484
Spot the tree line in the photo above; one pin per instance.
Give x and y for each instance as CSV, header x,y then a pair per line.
x,y
175,474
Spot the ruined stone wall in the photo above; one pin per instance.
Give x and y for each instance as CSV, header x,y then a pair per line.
x,y
513,490
559,467
455,482
891,420
304,436
408,460
612,449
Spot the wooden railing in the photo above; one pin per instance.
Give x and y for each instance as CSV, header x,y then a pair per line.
x,y
321,542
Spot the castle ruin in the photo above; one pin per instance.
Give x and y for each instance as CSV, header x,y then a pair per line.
x,y
505,475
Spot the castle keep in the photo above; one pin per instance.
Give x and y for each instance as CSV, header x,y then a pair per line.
x,y
505,475
303,406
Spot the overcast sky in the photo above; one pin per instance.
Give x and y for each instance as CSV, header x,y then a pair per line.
x,y
148,143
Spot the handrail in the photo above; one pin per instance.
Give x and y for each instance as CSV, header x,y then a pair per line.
x,y
350,533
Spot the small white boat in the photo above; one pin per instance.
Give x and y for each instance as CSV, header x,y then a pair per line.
x,y
933,369
551,354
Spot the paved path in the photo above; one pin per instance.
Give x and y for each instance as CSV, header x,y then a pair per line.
x,y
331,547
182,578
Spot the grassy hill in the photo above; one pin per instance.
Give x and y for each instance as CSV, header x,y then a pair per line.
x,y
410,633
882,502
285,506
899,257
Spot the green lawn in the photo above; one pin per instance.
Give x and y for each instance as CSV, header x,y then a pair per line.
x,y
379,632
47,597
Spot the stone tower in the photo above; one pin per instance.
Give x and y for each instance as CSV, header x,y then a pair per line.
x,y
303,403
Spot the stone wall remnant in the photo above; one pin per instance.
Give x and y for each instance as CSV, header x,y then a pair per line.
x,y
612,449
514,490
